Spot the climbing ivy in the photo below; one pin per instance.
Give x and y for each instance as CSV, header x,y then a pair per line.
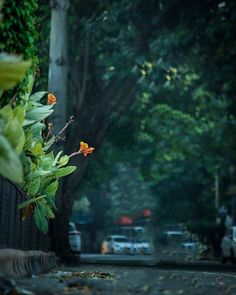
x,y
18,29
18,34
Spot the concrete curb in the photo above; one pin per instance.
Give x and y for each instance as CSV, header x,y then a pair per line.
x,y
16,263
164,264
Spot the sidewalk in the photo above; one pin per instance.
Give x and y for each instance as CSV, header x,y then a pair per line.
x,y
161,261
163,274
117,280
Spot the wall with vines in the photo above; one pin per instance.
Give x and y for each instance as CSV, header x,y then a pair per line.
x,y
18,28
19,35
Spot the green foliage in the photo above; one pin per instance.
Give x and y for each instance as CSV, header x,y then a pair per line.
x,y
40,216
19,35
25,159
10,165
42,169
180,126
12,142
18,29
12,70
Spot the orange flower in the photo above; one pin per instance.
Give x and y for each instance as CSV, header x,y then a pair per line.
x,y
85,149
51,98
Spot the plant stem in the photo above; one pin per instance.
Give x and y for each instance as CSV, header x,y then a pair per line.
x,y
74,154
64,128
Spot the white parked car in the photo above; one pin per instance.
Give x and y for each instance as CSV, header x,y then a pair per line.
x,y
146,247
228,245
119,244
135,247
74,238
189,245
141,247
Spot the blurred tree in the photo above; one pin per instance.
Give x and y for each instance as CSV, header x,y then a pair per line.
x,y
128,194
160,75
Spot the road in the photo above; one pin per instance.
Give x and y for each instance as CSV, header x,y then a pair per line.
x,y
122,280
126,274
146,280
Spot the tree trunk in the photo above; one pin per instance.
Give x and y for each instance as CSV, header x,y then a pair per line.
x,y
58,54
58,85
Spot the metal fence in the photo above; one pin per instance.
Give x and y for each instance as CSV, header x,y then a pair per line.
x,y
15,233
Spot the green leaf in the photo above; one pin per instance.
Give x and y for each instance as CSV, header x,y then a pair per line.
x,y
41,172
33,186
40,219
51,189
49,143
19,113
63,161
10,165
30,201
28,139
37,149
37,131
39,113
15,135
37,96
7,112
50,213
27,123
12,70
42,204
57,157
46,162
51,201
25,203
65,171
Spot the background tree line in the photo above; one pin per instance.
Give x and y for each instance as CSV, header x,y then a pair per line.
x,y
151,84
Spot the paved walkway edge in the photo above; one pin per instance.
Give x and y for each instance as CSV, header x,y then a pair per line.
x,y
164,264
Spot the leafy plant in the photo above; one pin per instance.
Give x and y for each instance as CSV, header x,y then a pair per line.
x,y
12,137
25,157
43,169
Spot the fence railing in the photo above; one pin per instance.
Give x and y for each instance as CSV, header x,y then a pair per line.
x,y
15,233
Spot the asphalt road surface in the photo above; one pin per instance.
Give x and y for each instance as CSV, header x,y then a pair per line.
x,y
146,280
107,280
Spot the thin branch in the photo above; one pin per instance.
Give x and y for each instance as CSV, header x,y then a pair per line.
x,y
64,128
85,74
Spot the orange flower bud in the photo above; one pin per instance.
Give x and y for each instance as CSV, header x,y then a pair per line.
x,y
85,149
51,98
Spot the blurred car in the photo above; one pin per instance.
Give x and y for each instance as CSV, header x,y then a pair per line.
x,y
174,237
146,247
136,247
118,244
228,245
189,245
74,238
141,247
